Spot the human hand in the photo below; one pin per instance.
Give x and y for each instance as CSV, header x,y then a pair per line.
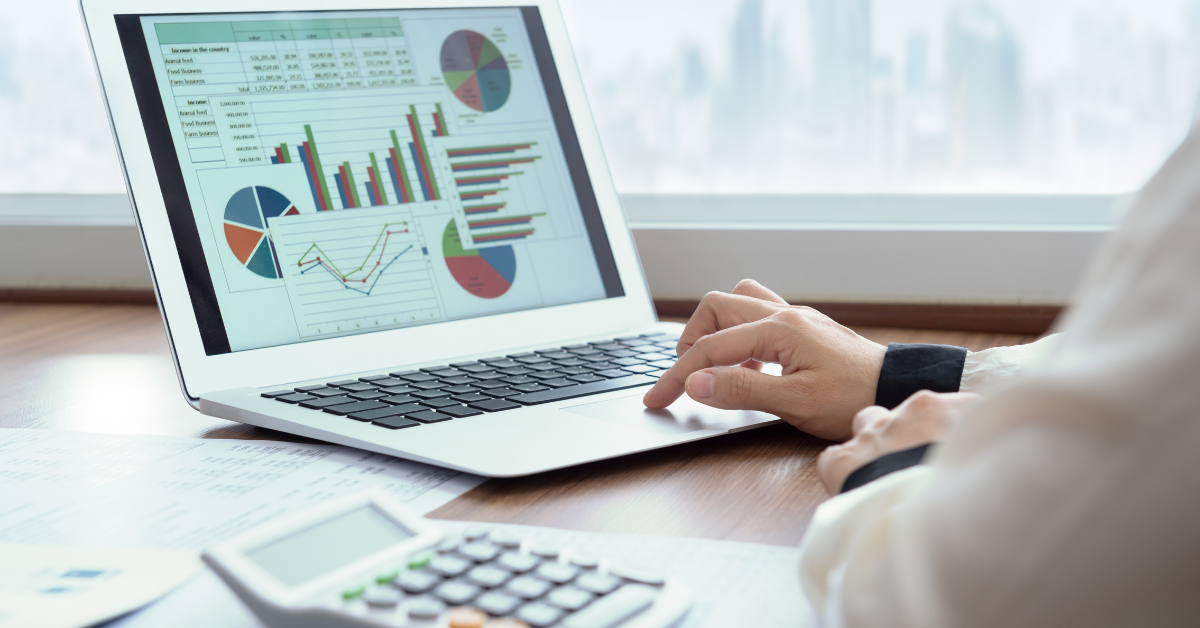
x,y
828,372
922,418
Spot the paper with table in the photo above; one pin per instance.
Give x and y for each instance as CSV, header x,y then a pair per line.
x,y
162,493
735,584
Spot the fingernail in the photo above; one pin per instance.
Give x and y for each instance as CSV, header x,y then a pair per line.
x,y
700,385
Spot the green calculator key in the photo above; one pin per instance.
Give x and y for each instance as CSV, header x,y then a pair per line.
x,y
420,560
387,577
350,594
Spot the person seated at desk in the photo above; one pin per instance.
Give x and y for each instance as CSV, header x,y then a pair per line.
x,y
1065,495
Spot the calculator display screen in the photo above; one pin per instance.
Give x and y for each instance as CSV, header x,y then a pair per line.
x,y
314,551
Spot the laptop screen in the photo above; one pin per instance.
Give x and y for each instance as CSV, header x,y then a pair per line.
x,y
345,172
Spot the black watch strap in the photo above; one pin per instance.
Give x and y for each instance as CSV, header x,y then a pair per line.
x,y
888,463
910,368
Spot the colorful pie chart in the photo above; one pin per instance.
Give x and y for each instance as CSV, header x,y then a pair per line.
x,y
246,216
486,273
475,70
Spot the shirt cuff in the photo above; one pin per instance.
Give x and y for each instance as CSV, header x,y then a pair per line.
x,y
910,368
885,464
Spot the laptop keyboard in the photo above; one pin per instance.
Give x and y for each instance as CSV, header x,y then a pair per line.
x,y
441,393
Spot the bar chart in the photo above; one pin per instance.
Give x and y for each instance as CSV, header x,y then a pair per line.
x,y
481,177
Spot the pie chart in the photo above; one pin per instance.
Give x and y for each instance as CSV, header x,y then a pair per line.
x,y
486,273
475,71
246,216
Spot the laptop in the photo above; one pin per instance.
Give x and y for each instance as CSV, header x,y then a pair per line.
x,y
389,225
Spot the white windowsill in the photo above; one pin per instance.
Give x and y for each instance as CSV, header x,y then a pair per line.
x,y
835,248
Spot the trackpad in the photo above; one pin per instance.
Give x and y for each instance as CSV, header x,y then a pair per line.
x,y
681,417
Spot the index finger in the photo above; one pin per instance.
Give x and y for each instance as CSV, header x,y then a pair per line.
x,y
752,341
718,311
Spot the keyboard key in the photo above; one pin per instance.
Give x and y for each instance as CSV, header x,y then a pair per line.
x,y
327,392
367,396
399,400
654,334
595,357
611,373
538,615
544,375
378,413
457,380
439,402
519,379
516,370
525,354
601,366
620,354
494,405
295,398
373,378
646,349
504,392
395,422
663,364
474,367
444,373
470,397
651,357
430,394
613,610
584,351
545,366
621,338
417,377
574,370
456,593
634,342
460,390
389,381
358,387
497,603
586,377
399,390
429,416
530,387
570,362
459,365
526,587
403,373
308,388
358,406
490,385
607,346
533,359
489,376
493,360
640,368
344,382
434,385
556,355
459,412
571,392
317,404
598,584
504,364
569,598
559,383
277,393
628,361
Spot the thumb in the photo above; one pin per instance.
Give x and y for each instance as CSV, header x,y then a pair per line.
x,y
735,388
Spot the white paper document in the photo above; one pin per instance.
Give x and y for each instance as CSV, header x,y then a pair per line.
x,y
74,488
55,586
735,585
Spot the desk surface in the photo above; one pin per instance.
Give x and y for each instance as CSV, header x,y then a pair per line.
x,y
107,368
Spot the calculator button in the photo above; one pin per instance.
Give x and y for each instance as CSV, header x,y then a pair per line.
x,y
424,607
538,614
526,587
569,598
497,603
382,598
459,412
586,561
385,578
455,592
557,573
519,563
488,577
597,583
639,575
449,565
466,618
355,592
545,550
416,581
474,533
479,552
420,560
449,545
611,611
504,538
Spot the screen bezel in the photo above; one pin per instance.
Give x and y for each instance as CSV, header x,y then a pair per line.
x,y
200,372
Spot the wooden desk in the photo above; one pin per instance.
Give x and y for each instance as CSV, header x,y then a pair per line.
x,y
107,369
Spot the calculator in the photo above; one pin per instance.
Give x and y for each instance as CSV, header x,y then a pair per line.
x,y
369,561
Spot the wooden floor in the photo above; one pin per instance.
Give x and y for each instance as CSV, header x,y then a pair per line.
x,y
107,368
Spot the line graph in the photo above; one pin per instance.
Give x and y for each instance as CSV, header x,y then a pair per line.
x,y
355,270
